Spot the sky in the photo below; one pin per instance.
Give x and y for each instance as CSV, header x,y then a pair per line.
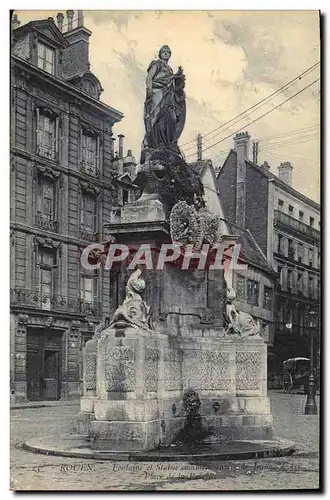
x,y
232,60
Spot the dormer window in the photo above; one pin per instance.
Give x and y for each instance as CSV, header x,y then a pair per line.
x,y
46,58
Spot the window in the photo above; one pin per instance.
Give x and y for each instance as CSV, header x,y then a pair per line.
x,y
253,292
125,196
310,257
300,282
280,244
279,270
268,298
46,279
301,215
291,252
46,58
46,199
291,210
87,289
280,204
290,279
88,293
88,213
310,286
46,135
240,287
311,221
89,156
300,253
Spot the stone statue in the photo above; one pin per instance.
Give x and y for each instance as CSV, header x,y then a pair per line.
x,y
134,312
165,105
239,323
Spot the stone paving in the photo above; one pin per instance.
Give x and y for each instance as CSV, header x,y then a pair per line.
x,y
37,472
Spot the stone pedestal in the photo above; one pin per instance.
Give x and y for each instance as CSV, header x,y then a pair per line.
x,y
141,379
136,380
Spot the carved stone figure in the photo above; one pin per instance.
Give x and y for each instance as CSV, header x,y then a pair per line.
x,y
134,312
239,323
165,105
191,403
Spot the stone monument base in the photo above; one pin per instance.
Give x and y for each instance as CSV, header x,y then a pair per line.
x,y
137,402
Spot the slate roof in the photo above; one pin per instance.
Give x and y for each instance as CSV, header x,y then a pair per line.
x,y
250,251
277,180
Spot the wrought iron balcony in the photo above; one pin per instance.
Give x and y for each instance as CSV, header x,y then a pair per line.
x,y
296,225
89,168
48,225
47,151
88,235
59,303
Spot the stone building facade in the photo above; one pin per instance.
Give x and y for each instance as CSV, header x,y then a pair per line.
x,y
66,182
286,226
255,285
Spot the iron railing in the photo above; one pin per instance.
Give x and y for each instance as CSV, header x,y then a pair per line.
x,y
293,223
37,300
88,235
48,225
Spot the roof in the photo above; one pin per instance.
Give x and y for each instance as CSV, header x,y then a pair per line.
x,y
45,26
250,251
87,73
265,172
67,86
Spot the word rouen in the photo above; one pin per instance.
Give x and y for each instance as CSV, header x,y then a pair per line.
x,y
213,257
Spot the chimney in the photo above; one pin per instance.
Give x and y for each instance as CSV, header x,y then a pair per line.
x,y
75,58
113,146
80,19
285,172
70,14
241,146
130,164
59,19
266,165
15,22
121,145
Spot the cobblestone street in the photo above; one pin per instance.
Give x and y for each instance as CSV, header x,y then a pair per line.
x,y
31,471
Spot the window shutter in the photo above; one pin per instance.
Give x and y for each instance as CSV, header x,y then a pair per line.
x,y
39,196
80,154
37,129
96,160
56,136
82,210
95,291
95,225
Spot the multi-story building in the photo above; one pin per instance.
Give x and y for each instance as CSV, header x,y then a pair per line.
x,y
286,226
65,183
255,285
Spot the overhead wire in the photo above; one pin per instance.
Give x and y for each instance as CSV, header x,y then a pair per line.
x,y
259,103
261,116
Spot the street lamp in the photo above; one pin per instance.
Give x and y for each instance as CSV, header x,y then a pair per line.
x,y
311,407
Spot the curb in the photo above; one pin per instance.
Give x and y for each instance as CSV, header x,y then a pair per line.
x,y
45,405
267,449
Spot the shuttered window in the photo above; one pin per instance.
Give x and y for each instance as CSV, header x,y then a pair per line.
x,y
47,134
89,153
